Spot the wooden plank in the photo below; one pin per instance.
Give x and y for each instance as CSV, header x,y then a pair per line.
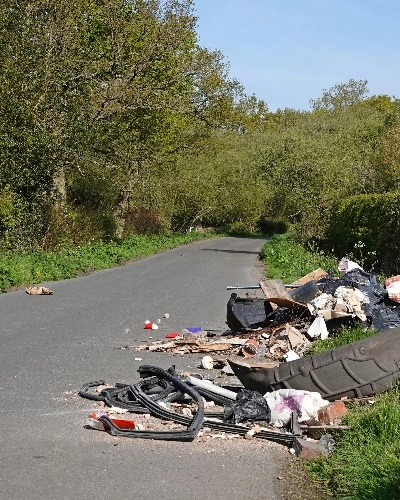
x,y
274,288
315,275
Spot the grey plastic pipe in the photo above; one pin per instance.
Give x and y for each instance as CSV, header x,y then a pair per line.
x,y
207,384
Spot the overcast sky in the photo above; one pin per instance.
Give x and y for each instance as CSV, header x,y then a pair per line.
x,y
287,51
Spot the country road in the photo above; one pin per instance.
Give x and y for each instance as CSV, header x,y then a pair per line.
x,y
51,345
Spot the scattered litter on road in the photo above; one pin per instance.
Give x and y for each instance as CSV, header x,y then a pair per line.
x,y
148,325
38,290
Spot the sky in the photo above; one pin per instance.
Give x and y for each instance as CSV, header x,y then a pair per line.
x,y
287,52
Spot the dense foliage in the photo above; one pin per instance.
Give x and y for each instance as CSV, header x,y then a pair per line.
x,y
115,121
365,463
367,227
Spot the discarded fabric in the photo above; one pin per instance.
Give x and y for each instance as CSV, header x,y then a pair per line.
x,y
284,401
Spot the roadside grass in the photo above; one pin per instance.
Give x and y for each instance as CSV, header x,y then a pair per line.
x,y
341,337
365,463
23,268
287,259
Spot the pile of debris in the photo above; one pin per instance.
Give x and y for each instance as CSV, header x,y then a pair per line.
x,y
180,404
284,394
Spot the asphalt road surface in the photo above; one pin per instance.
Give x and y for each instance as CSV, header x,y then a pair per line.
x,y
52,345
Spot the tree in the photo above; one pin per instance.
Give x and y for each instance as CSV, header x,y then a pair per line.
x,y
341,95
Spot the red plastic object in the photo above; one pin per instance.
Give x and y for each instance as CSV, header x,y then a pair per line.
x,y
172,335
119,422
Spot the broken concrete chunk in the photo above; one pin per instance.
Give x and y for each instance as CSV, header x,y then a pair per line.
x,y
249,348
311,449
331,412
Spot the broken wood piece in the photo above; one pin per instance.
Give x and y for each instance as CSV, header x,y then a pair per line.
x,y
296,338
314,275
213,347
289,303
274,288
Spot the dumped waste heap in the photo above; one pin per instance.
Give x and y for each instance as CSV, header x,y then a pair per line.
x,y
282,393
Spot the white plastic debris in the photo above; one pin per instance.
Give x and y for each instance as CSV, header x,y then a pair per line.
x,y
291,356
318,328
207,363
346,265
284,401
207,384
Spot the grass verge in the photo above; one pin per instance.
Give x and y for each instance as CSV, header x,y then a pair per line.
x,y
287,259
23,268
366,461
342,337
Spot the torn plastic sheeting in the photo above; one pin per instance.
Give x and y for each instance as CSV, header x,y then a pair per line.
x,y
291,356
318,328
345,265
284,401
305,292
378,313
392,286
246,313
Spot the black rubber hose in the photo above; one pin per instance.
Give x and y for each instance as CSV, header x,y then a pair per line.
x,y
194,424
85,388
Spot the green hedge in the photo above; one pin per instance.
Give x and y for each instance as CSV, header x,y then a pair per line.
x,y
367,229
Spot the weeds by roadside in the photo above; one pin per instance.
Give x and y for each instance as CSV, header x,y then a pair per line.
x,y
366,461
22,268
342,337
287,259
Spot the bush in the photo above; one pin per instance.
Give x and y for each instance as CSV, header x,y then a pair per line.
x,y
367,228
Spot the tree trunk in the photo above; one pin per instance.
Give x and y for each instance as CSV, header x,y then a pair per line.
x,y
124,205
60,189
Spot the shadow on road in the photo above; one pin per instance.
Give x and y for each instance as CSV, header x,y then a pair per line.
x,y
228,251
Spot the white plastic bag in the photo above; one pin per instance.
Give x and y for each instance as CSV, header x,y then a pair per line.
x,y
284,401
